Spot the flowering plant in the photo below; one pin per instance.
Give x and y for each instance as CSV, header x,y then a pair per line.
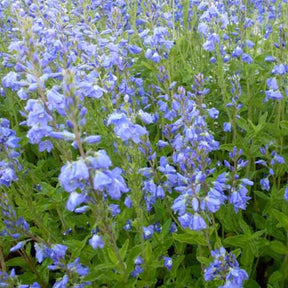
x,y
143,143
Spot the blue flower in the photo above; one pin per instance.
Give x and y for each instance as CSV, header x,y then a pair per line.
x,y
239,199
203,28
286,194
78,268
138,261
74,200
62,283
137,270
37,114
168,262
56,101
197,223
92,139
272,83
73,174
45,146
280,69
146,117
173,228
101,180
125,129
100,160
128,202
270,59
148,232
225,267
213,113
246,58
273,94
185,220
227,127
57,252
118,185
127,226
11,81
96,242
115,210
237,52
236,276
265,185
179,205
18,246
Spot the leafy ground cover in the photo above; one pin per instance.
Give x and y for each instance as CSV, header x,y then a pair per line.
x,y
143,143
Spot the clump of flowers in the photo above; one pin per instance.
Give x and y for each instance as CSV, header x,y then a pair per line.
x,y
225,267
9,163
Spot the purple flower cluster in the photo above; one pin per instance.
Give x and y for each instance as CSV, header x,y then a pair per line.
x,y
192,142
15,226
138,269
272,159
7,280
92,171
238,186
158,46
125,129
68,60
225,267
9,163
57,254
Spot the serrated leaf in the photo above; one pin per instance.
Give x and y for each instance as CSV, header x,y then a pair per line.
x,y
263,118
203,260
242,123
124,248
111,255
16,261
238,240
284,124
275,277
247,258
244,226
262,195
281,217
278,247
251,284
227,147
191,238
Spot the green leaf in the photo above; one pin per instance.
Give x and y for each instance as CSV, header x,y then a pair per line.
x,y
281,217
275,277
278,247
192,237
262,195
251,284
238,240
96,271
227,147
263,118
203,260
124,248
111,255
284,124
242,123
16,261
247,258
